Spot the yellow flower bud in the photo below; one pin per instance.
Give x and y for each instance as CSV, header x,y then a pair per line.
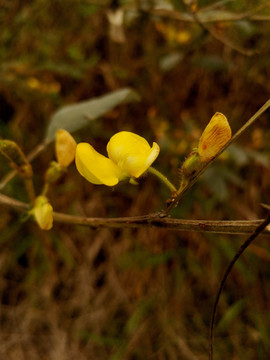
x,y
65,148
43,213
216,134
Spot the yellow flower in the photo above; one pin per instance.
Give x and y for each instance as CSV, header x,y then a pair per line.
x,y
43,213
65,147
216,134
129,155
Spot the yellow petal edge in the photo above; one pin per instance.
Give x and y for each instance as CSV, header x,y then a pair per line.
x,y
136,164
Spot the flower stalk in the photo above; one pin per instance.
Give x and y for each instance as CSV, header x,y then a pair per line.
x,y
162,178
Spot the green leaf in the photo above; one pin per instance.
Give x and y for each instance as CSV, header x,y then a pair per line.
x,y
238,154
170,61
79,115
230,315
210,63
260,158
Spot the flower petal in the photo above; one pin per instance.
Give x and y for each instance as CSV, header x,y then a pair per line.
x,y
95,167
131,152
65,147
216,134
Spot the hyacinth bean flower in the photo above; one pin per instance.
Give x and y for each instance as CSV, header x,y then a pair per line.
x,y
129,156
216,134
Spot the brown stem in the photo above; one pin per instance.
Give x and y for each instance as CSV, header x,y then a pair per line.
x,y
30,157
221,17
16,204
156,220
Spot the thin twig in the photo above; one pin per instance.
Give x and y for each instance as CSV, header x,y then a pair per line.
x,y
16,204
150,220
221,17
217,36
39,149
243,247
154,220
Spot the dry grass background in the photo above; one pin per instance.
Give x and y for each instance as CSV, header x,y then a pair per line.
x,y
77,293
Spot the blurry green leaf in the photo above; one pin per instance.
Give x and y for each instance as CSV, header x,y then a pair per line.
x,y
231,176
212,63
85,10
63,253
75,53
8,232
169,61
238,154
178,5
220,189
69,70
77,116
21,247
216,15
216,183
139,315
99,339
230,315
260,158
245,27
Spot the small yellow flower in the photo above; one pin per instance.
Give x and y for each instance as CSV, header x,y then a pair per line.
x,y
43,213
65,148
216,134
129,155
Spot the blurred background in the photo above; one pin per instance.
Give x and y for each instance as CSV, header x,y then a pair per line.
x,y
77,293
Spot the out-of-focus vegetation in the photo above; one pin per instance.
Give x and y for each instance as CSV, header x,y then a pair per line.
x,y
77,293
